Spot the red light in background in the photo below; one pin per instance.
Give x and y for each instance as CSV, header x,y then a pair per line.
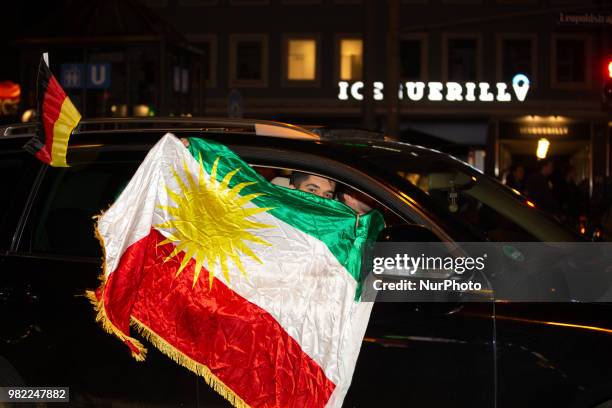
x,y
610,69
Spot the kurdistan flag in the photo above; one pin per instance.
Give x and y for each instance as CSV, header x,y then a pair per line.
x,y
253,286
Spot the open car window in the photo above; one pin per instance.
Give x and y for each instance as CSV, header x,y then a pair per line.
x,y
281,177
61,221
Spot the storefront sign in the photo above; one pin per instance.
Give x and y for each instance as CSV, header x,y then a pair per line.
x,y
585,19
91,76
449,91
544,130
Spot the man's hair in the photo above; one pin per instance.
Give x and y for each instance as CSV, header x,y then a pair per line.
x,y
297,178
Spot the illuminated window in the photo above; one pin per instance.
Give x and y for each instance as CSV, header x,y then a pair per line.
x,y
351,59
302,59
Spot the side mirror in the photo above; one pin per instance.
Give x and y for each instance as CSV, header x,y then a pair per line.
x,y
407,233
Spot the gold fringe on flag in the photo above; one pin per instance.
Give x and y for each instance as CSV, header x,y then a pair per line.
x,y
110,328
162,345
139,352
199,369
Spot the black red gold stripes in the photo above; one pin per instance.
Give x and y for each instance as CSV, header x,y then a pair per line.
x,y
58,118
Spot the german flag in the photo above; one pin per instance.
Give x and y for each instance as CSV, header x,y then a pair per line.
x,y
58,116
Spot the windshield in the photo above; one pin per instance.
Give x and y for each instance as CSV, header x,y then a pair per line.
x,y
471,198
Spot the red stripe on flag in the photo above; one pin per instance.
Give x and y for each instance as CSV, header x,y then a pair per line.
x,y
241,343
51,109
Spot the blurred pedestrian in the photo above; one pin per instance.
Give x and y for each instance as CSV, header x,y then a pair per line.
x,y
539,189
567,194
515,178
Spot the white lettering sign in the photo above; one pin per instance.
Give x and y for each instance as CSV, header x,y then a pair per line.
x,y
438,91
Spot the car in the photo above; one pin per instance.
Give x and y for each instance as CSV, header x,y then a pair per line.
x,y
420,354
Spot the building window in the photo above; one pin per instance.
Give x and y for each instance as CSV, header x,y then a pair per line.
x,y
248,60
301,63
351,59
207,61
571,61
516,55
413,57
462,58
207,43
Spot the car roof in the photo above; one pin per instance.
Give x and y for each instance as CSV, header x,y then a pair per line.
x,y
137,125
146,131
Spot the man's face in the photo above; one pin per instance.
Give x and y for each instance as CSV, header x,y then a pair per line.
x,y
317,185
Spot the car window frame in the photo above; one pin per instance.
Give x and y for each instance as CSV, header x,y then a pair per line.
x,y
21,248
394,200
21,198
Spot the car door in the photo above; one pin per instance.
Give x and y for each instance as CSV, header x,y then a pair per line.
x,y
52,338
18,172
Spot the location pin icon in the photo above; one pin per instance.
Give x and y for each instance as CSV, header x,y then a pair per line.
x,y
520,83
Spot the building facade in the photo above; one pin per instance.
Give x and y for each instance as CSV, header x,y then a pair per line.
x,y
328,62
490,77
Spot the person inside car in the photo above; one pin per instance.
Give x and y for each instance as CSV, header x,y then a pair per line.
x,y
303,181
310,183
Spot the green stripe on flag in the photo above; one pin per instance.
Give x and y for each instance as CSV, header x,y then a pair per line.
x,y
329,221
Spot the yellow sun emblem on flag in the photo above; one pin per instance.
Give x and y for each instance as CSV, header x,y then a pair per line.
x,y
210,222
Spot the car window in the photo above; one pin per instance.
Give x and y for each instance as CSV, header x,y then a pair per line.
x,y
17,173
474,200
281,176
61,220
